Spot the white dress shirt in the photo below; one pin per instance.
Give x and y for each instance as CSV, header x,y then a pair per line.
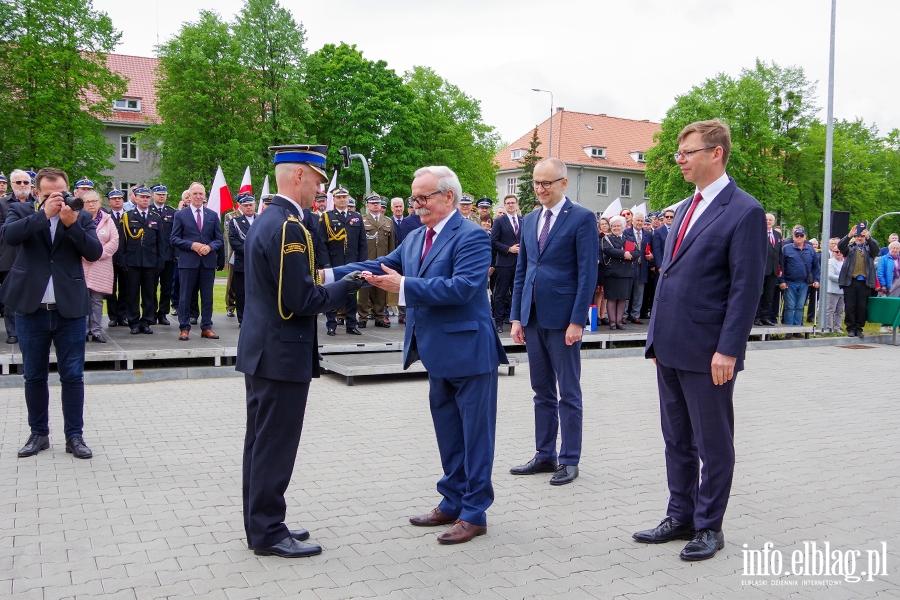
x,y
554,211
709,194
49,296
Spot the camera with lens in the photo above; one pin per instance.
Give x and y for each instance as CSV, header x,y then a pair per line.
x,y
72,201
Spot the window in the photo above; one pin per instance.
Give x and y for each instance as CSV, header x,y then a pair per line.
x,y
512,185
516,154
127,104
124,185
641,157
602,185
128,149
646,184
598,152
626,187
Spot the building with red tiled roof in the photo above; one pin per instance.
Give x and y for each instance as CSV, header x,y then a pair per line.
x,y
133,113
604,156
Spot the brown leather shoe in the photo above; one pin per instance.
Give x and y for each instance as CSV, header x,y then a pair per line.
x,y
461,532
184,335
209,334
432,519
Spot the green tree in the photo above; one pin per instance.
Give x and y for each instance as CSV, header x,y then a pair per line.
x,y
452,132
202,102
363,104
56,86
527,197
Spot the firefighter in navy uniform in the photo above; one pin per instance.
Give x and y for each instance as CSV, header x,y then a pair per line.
x,y
143,259
166,275
277,351
342,234
237,230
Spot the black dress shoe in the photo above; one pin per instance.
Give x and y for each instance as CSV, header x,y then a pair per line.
x,y
230,312
499,328
330,331
135,330
193,320
383,323
340,321
301,535
12,340
35,444
353,331
162,320
123,322
75,445
768,323
564,474
668,529
145,329
758,322
361,324
534,466
604,321
100,338
112,323
704,545
290,548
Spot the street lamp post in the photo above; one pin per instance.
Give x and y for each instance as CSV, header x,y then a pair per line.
x,y
551,115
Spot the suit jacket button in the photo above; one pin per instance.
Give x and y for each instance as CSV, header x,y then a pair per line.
x,y
665,275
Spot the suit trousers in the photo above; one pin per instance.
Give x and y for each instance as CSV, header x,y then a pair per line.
x,y
190,280
36,331
552,364
503,283
237,284
350,317
856,303
770,283
229,289
9,315
116,303
636,301
141,296
464,411
698,428
164,284
275,411
649,293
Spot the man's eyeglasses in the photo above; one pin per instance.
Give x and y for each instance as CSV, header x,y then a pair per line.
x,y
423,200
21,182
545,184
668,216
685,153
86,202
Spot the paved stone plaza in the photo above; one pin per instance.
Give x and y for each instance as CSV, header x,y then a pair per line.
x,y
157,512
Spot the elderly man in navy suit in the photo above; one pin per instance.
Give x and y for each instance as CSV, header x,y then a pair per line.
x,y
706,300
505,242
556,275
440,272
197,234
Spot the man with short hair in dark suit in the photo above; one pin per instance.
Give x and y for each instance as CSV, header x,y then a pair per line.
x,y
641,240
774,257
238,228
706,300
505,233
46,289
556,275
197,234
21,192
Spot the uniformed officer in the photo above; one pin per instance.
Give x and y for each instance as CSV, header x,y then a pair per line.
x,y
465,209
116,302
81,186
277,351
380,241
230,303
237,234
342,233
143,260
167,274
3,184
484,208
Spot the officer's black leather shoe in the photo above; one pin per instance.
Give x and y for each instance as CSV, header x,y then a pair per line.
x,y
330,331
145,329
35,444
564,474
230,312
289,548
668,529
301,535
12,339
135,330
704,545
362,325
75,445
162,320
353,331
112,323
534,466
99,338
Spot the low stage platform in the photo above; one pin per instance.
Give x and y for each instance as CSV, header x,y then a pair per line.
x,y
376,351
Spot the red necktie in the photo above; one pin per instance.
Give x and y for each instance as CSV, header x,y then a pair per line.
x,y
685,223
199,222
771,238
429,238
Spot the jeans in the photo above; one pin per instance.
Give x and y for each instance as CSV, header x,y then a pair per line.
x,y
36,331
794,299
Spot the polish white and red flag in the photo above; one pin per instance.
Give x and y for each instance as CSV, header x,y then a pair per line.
x,y
265,192
329,204
246,186
219,197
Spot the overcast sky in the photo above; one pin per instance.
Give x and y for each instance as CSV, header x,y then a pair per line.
x,y
625,59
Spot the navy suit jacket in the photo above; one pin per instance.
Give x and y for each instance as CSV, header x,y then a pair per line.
x,y
448,316
502,237
707,296
410,223
185,233
658,245
641,267
560,280
37,259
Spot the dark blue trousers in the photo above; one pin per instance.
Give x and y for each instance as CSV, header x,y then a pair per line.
x,y
189,280
555,366
697,425
464,410
275,411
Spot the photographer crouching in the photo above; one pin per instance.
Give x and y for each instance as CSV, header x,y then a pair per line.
x,y
46,289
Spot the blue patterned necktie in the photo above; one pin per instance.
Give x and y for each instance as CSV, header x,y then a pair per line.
x,y
545,231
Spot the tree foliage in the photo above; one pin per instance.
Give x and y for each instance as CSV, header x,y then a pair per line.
x,y
527,197
56,86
